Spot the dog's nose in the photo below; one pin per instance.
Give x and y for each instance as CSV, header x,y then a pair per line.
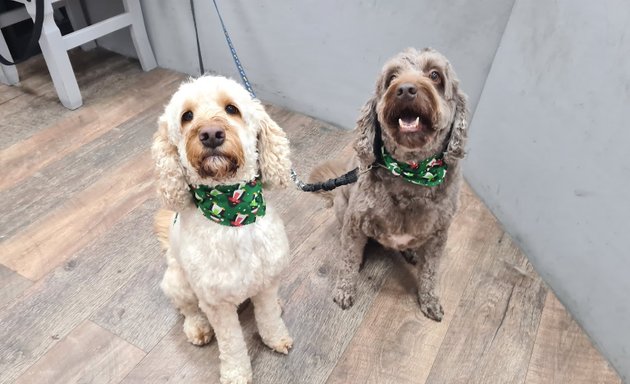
x,y
406,91
211,136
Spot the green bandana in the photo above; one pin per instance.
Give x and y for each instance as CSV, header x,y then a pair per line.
x,y
231,205
429,172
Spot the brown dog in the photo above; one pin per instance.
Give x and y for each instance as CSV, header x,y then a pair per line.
x,y
405,202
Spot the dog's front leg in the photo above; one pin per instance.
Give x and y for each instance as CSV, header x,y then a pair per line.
x,y
353,242
272,330
175,285
428,259
236,367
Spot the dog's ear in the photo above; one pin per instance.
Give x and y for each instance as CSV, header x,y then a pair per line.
x,y
459,130
451,82
171,182
273,151
364,144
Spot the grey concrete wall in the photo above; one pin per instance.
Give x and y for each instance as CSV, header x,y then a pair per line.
x,y
169,25
322,57
549,155
319,57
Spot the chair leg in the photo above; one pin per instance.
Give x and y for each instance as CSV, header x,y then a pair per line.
x,y
8,73
139,35
57,59
77,20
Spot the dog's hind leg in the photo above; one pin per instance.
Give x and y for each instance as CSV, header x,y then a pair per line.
x,y
428,257
236,367
272,330
175,285
353,242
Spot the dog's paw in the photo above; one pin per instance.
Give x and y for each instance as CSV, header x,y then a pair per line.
x,y
281,305
410,256
198,329
431,307
281,345
236,380
236,376
344,297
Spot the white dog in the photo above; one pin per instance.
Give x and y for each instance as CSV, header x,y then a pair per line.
x,y
214,148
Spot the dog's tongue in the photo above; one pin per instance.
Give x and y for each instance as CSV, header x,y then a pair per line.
x,y
409,124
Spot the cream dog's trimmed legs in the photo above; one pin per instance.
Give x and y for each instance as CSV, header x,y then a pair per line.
x,y
236,367
175,286
270,325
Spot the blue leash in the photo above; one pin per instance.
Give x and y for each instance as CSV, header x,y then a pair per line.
x,y
239,66
328,185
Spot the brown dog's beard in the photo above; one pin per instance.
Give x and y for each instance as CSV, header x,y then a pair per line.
x,y
399,117
216,163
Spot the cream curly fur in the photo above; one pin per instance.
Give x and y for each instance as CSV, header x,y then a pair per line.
x,y
212,268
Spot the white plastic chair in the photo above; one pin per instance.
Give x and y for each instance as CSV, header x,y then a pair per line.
x,y
54,46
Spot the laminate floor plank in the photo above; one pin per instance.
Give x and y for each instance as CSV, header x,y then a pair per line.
x,y
67,178
26,157
139,312
88,354
11,285
54,238
70,293
563,354
492,334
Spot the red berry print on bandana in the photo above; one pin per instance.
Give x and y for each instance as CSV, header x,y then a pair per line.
x,y
428,172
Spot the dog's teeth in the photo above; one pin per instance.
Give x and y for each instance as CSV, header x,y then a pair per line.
x,y
409,126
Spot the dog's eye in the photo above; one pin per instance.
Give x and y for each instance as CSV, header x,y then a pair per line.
x,y
187,116
231,109
435,77
390,79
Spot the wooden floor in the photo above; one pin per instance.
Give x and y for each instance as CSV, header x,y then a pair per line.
x,y
80,268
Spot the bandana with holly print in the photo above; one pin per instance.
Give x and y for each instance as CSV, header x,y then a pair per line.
x,y
429,172
231,205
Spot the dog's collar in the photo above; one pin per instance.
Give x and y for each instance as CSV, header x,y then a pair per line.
x,y
429,172
231,205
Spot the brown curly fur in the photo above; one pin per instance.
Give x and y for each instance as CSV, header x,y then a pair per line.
x,y
399,215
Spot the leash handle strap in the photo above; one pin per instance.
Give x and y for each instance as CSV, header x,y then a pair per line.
x,y
329,185
34,40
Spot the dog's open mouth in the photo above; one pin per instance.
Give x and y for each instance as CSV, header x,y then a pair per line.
x,y
410,121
